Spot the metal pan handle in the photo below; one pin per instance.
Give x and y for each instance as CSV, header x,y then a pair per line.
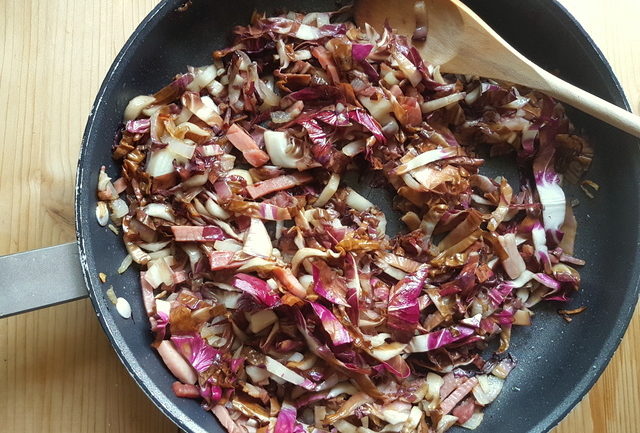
x,y
40,278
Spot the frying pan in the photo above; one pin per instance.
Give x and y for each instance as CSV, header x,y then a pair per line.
x,y
558,362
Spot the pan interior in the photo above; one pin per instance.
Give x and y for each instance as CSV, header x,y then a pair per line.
x,y
558,362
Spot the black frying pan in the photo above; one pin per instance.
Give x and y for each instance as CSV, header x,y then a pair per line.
x,y
558,362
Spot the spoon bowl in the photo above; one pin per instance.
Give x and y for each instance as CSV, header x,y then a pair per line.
x,y
460,42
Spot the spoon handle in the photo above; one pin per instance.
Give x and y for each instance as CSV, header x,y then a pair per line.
x,y
590,104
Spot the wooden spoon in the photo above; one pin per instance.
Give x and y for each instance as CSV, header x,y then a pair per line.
x,y
460,42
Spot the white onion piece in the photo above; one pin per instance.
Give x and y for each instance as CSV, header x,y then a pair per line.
x,y
227,161
522,294
284,373
408,69
158,273
445,423
302,55
396,412
342,388
159,210
261,320
208,102
487,389
436,104
328,191
106,190
202,77
126,262
183,116
163,307
345,427
473,95
380,108
306,280
513,264
279,230
437,75
481,200
227,245
161,162
387,351
215,88
473,422
277,146
227,229
197,180
230,300
258,375
307,361
151,109
258,264
522,318
378,339
519,102
390,78
434,383
382,224
102,213
215,210
308,33
136,253
553,204
354,148
357,202
119,209
296,357
203,107
183,148
136,105
305,253
123,307
413,420
257,241
193,252
154,246
426,158
242,173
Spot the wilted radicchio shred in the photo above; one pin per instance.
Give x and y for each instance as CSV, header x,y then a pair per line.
x,y
272,287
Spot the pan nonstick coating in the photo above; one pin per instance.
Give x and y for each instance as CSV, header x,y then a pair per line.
x,y
558,362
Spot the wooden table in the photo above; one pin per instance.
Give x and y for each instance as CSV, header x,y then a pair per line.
x,y
58,372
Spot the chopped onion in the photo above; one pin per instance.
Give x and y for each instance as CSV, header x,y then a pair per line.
x,y
436,104
119,209
126,262
279,370
257,241
357,201
161,162
102,213
261,320
136,105
159,211
329,190
487,389
123,308
426,158
215,210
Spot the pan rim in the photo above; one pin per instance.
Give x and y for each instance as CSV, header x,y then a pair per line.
x,y
155,394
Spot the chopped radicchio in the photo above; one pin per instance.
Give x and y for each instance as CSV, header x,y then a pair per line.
x,y
273,291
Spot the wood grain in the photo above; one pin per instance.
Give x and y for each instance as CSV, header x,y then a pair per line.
x,y
58,372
